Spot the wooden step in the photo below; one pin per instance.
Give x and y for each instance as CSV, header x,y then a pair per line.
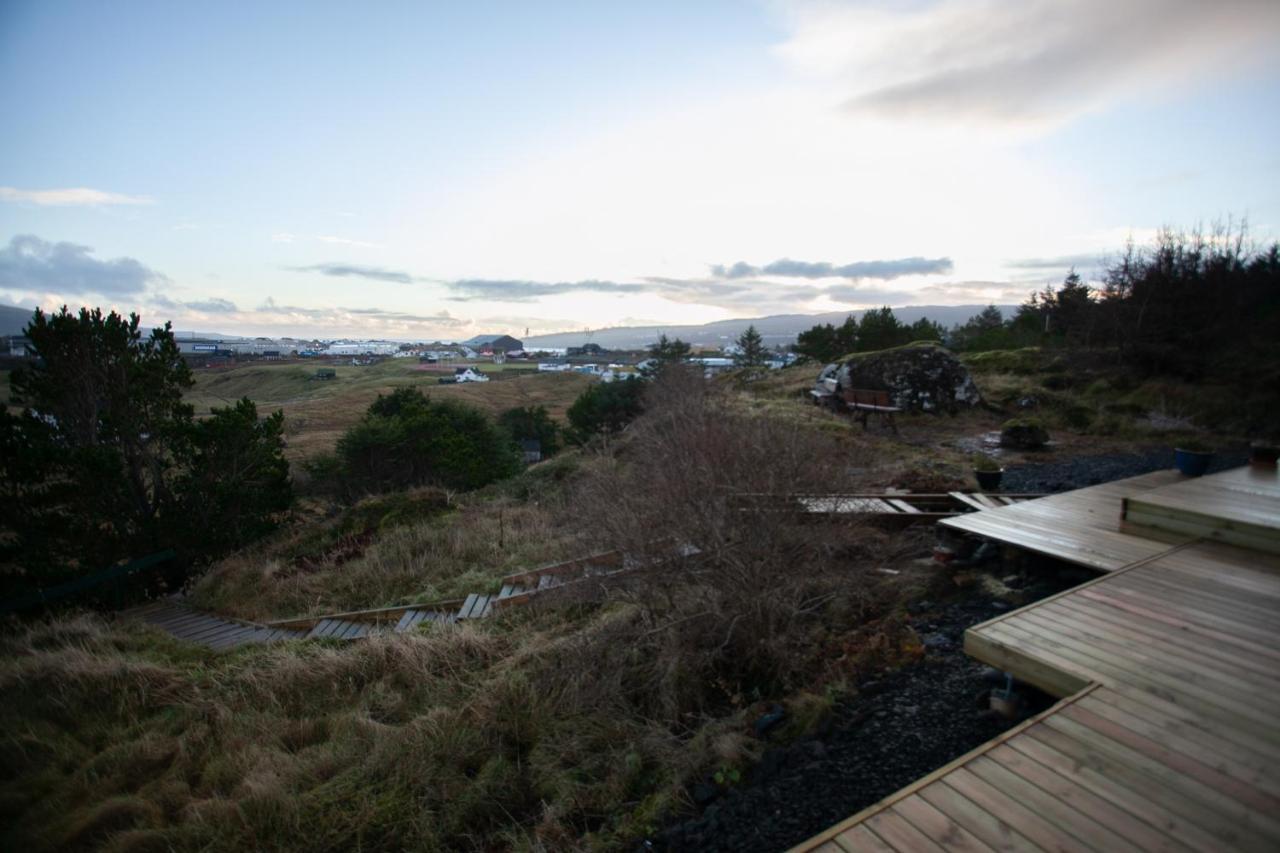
x,y
475,607
339,629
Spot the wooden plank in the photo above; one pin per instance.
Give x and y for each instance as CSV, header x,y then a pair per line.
x,y
1106,761
900,834
1022,820
1176,756
1083,800
1221,755
1066,819
1231,811
969,501
937,826
1145,631
1247,711
859,839
1132,634
993,831
902,505
1142,801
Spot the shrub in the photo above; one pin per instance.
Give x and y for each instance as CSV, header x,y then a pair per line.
x,y
606,407
407,440
1024,433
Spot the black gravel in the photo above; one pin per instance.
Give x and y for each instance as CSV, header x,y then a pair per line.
x,y
900,726
1081,471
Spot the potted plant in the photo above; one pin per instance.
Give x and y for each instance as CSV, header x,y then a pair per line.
x,y
1262,454
1192,457
987,472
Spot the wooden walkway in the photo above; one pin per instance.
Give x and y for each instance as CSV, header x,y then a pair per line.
x,y
1080,527
1168,737
220,633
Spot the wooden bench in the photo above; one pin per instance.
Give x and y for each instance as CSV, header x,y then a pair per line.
x,y
865,402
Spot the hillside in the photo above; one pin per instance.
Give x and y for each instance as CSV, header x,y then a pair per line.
x,y
777,330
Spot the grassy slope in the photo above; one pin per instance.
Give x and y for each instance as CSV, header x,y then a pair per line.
x,y
543,731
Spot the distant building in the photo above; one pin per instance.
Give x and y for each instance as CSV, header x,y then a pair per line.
x,y
489,344
468,374
531,450
586,349
18,346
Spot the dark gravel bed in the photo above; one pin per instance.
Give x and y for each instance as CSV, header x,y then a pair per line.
x,y
1081,471
901,725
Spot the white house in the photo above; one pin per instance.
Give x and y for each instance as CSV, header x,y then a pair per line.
x,y
468,374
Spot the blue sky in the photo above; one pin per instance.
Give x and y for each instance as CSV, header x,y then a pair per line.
x,y
436,170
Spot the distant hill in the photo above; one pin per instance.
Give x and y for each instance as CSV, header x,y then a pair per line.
x,y
13,319
777,329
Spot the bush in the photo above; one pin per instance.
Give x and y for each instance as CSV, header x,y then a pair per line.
x,y
606,407
407,440
1026,433
532,423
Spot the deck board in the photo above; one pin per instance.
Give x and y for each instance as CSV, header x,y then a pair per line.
x,y
1167,735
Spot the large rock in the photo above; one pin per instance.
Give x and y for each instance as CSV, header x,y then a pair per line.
x,y
921,377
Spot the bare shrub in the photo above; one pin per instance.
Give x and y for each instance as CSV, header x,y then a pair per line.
x,y
730,624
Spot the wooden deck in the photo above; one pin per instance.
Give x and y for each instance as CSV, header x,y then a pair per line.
x,y
1167,738
1240,506
1081,527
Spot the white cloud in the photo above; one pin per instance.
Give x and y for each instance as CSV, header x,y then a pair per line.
x,y
1029,62
71,197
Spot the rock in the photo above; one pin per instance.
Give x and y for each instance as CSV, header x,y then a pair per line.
x,y
704,792
1023,434
1011,581
921,606
935,641
923,377
769,719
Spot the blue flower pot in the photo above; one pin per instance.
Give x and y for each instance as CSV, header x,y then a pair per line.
x,y
1193,463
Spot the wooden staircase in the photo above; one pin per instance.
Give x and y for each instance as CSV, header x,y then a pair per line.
x,y
218,633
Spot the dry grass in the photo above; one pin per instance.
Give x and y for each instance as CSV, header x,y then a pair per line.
x,y
570,726
391,550
318,412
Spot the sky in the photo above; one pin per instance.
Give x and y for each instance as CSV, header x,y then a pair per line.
x,y
439,170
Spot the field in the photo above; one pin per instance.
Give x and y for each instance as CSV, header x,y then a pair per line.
x,y
317,412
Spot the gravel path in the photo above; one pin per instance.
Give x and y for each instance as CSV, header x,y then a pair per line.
x,y
1084,471
902,725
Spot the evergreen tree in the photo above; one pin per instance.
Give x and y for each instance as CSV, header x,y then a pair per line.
x,y
827,343
107,461
751,352
665,353
880,329
532,423
606,407
407,440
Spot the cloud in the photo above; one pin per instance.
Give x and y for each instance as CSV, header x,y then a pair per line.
x,y
507,290
882,270
344,241
357,270
1021,60
213,305
1062,262
31,263
852,294
71,197
338,316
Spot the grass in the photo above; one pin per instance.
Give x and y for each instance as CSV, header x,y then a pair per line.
x,y
317,412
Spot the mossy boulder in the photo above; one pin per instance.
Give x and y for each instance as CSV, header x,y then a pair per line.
x,y
1023,434
919,377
